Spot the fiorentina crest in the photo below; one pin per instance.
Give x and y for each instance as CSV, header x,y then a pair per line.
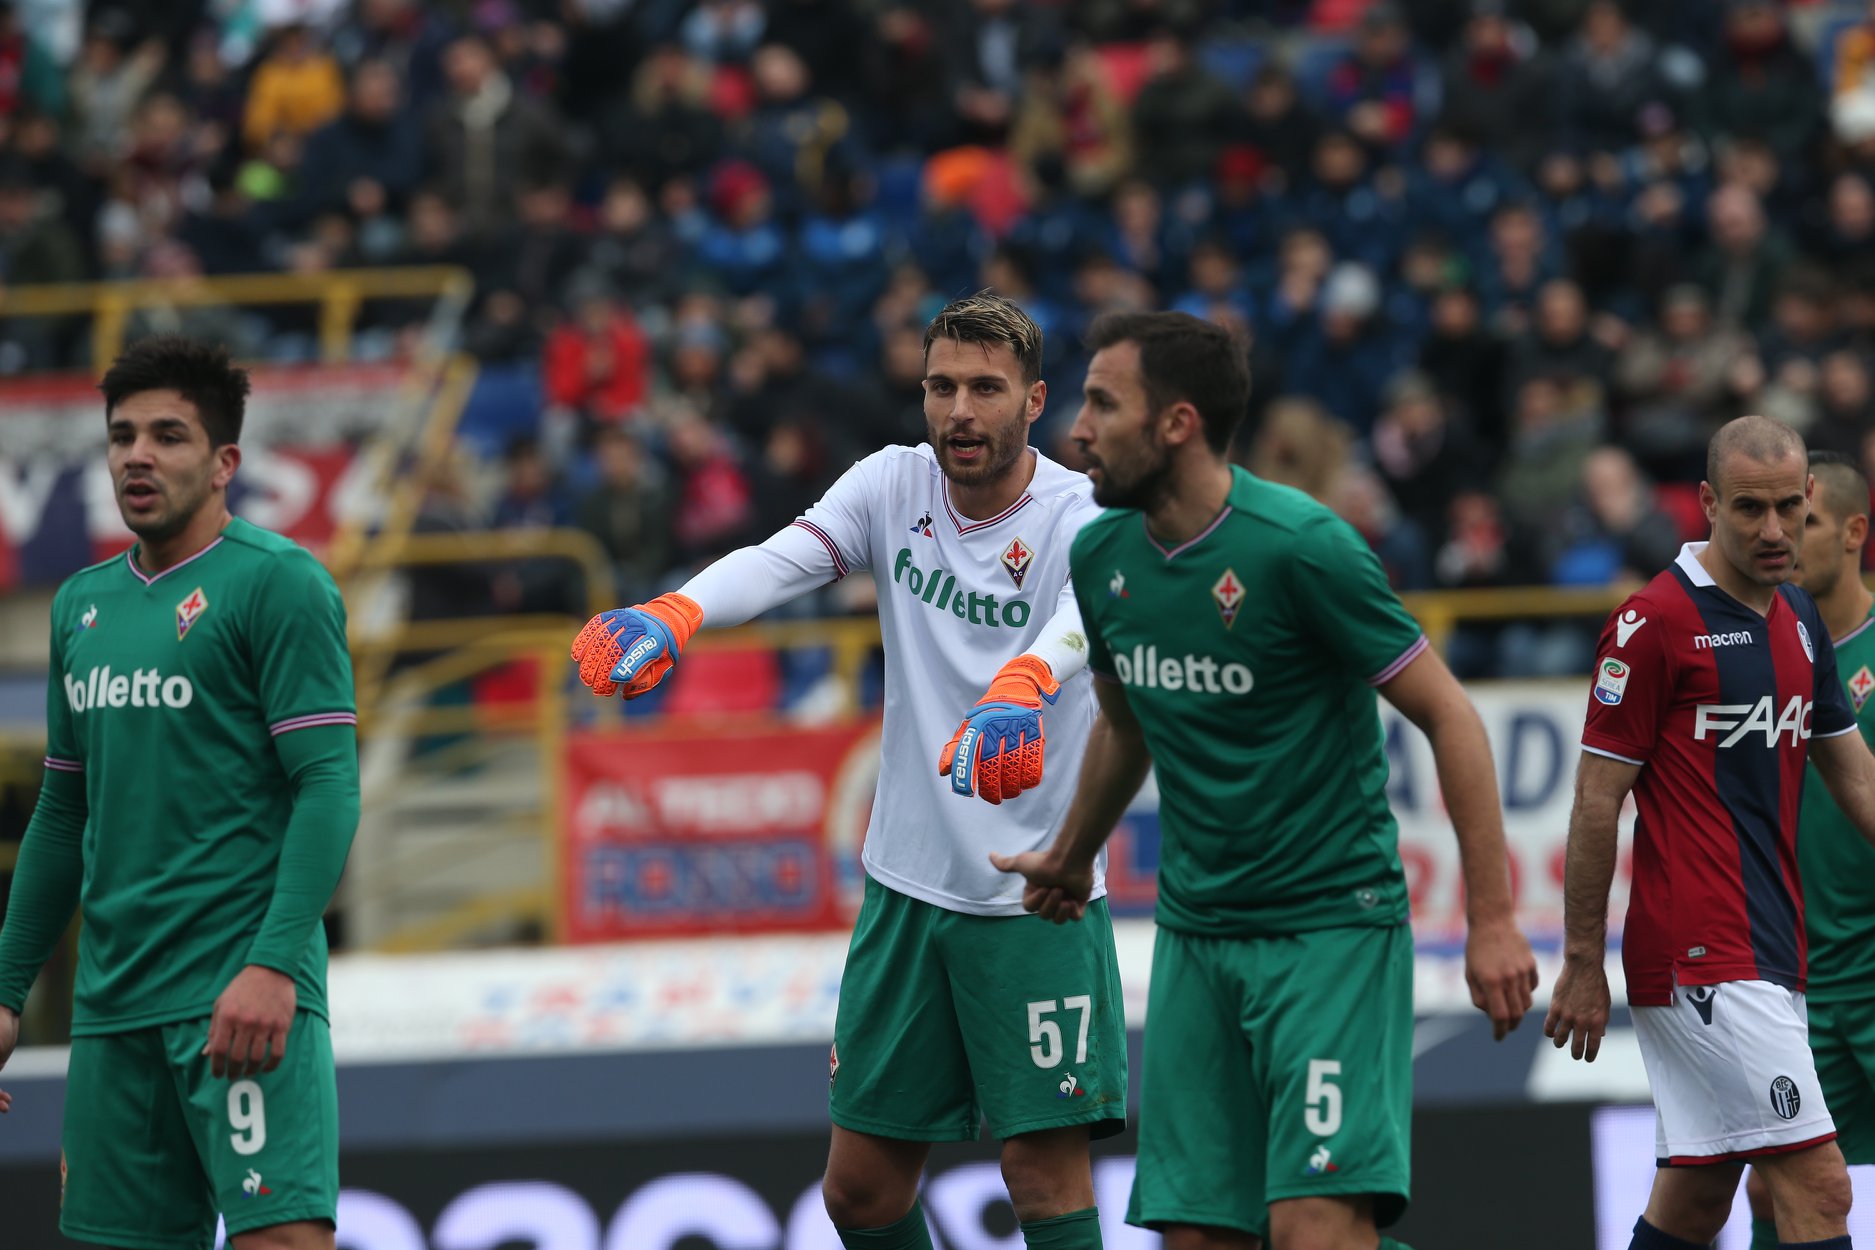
x,y
1227,593
1017,557
189,611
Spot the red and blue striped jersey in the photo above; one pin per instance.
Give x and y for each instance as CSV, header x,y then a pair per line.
x,y
1717,704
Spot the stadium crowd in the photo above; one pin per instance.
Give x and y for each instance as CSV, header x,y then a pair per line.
x,y
1504,264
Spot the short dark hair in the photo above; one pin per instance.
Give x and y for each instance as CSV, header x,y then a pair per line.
x,y
1841,482
200,372
991,321
1182,357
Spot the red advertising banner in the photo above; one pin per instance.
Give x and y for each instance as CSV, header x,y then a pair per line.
x,y
673,834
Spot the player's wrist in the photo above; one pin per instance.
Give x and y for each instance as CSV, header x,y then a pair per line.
x,y
1585,954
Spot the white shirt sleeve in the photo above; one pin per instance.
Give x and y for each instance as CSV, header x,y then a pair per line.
x,y
1063,640
821,547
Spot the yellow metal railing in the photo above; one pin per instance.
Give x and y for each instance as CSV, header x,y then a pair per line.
x,y
340,295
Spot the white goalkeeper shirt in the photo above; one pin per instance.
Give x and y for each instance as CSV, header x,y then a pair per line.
x,y
957,600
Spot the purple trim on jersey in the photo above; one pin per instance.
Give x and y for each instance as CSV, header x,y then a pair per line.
x,y
307,722
839,565
1407,656
1004,515
64,766
1855,633
1189,543
151,578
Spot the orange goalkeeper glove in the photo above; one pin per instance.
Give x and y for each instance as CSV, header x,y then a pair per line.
x,y
632,648
996,753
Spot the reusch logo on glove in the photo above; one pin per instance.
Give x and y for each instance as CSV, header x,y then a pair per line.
x,y
641,651
938,589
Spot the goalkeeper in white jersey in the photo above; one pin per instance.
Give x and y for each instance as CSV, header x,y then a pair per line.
x,y
956,1006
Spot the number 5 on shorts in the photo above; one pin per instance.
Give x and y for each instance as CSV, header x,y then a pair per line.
x,y
1321,1112
1045,1035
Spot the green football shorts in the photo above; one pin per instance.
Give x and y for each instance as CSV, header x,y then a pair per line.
x,y
155,1146
1842,1038
946,1019
1275,1067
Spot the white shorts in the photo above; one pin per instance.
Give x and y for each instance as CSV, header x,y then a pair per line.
x,y
1731,1073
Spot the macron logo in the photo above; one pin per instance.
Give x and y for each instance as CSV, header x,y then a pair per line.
x,y
1625,627
1733,638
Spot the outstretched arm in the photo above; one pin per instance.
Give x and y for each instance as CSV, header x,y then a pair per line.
x,y
1844,763
1061,879
1499,967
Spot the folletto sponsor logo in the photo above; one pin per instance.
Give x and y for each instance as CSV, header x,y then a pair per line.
x,y
1200,674
143,687
937,589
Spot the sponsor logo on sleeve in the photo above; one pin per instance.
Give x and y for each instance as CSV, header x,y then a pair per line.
x,y
1625,626
1611,682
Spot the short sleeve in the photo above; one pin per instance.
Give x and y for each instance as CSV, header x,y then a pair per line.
x,y
1081,574
1833,714
1344,599
63,751
842,520
302,666
1633,685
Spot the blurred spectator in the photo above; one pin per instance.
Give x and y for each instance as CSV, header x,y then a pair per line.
x,y
1345,354
1363,217
183,307
532,497
724,32
894,408
1216,291
989,41
1458,186
1609,71
1675,381
536,256
35,247
596,363
225,235
1845,404
1298,444
1496,87
409,35
1466,364
1614,536
1758,83
1277,125
1069,115
1423,458
1555,428
1518,263
1376,90
1845,237
1559,343
628,510
792,133
634,249
1182,117
791,473
296,88
1359,497
107,83
484,139
366,162
1742,264
664,127
715,507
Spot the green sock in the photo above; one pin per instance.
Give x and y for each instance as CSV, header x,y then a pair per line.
x,y
1763,1234
1077,1230
908,1233
1388,1243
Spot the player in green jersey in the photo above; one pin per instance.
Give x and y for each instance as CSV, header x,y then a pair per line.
x,y
201,793
1242,629
1836,866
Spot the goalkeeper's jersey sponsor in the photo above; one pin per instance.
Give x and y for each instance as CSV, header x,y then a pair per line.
x,y
958,598
166,693
1250,654
1836,866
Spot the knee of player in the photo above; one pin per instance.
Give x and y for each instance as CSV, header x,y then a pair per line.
x,y
1041,1187
1834,1195
861,1201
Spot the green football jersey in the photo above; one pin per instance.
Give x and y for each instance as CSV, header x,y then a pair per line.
x,y
166,692
1250,655
1836,867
